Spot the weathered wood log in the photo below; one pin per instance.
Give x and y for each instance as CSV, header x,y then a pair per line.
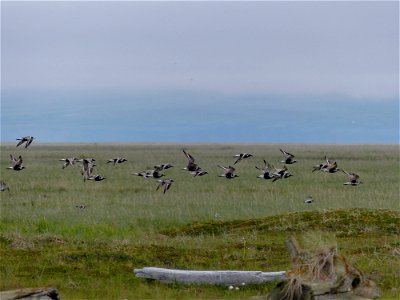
x,y
31,294
208,277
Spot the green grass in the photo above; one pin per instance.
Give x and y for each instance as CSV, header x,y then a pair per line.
x,y
200,223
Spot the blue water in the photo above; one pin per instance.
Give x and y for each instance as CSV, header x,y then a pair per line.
x,y
193,116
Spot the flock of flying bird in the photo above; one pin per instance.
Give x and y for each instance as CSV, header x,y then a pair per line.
x,y
268,170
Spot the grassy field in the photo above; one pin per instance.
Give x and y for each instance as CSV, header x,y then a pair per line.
x,y
90,253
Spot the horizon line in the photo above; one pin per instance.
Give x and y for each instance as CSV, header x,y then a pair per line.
x,y
6,143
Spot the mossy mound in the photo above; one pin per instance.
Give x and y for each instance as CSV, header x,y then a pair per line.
x,y
344,222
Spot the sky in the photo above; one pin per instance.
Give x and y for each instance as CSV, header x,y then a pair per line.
x,y
265,71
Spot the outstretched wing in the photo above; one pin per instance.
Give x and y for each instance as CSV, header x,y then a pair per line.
x,y
28,142
286,153
161,183
189,157
21,140
13,159
347,173
222,167
239,159
19,161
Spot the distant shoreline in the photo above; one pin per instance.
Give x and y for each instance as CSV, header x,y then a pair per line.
x,y
10,143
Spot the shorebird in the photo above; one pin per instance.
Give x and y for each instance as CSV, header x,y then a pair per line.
x,y
164,166
3,186
331,168
87,167
155,173
229,172
327,166
353,180
281,173
191,166
96,178
16,164
144,174
166,183
69,161
266,171
308,200
241,156
26,139
289,158
321,166
81,206
199,172
116,160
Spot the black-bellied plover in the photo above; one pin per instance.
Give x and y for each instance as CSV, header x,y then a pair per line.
x,y
116,160
166,183
16,164
241,156
229,172
353,179
281,173
191,165
289,158
26,139
69,161
266,171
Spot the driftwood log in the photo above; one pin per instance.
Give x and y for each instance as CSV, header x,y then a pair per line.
x,y
208,277
31,294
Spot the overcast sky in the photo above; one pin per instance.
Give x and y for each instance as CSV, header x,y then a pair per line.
x,y
200,71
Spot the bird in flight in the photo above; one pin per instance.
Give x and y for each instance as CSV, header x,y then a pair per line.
x,y
241,156
26,139
331,168
165,166
199,172
155,173
266,171
116,160
166,183
96,178
353,179
281,173
16,164
191,165
87,168
69,161
289,158
309,200
229,172
327,166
